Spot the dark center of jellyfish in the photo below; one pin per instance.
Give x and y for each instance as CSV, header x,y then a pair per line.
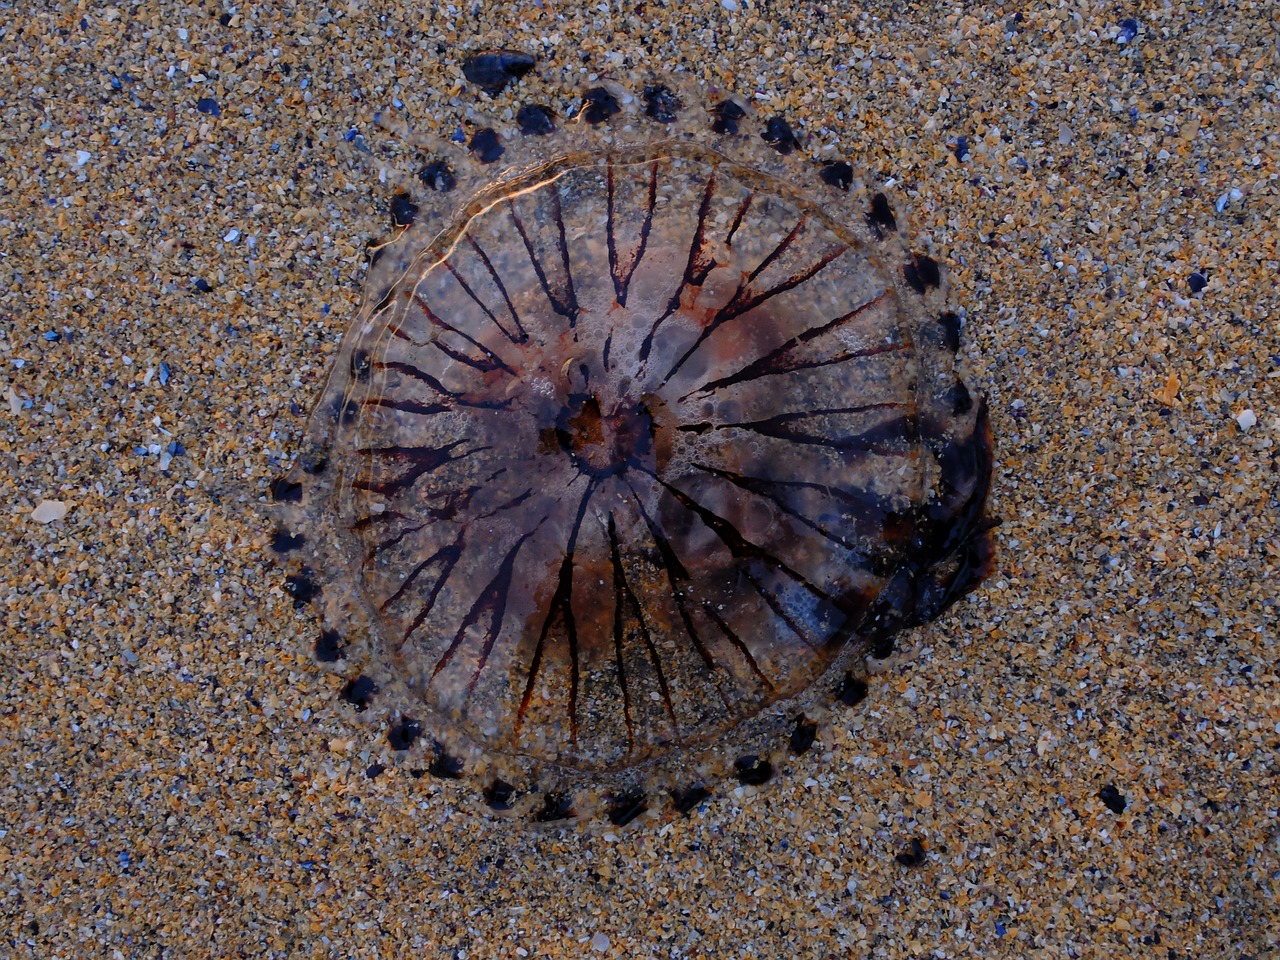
x,y
602,443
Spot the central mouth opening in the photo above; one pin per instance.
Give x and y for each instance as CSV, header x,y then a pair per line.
x,y
603,444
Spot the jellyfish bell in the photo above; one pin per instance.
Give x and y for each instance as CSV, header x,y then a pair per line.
x,y
640,442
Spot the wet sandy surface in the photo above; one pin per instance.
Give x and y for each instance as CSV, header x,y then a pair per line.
x,y
1085,749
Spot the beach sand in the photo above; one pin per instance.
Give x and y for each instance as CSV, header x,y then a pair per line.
x,y
1086,748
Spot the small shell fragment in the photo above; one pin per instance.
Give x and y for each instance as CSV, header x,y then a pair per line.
x,y
47,511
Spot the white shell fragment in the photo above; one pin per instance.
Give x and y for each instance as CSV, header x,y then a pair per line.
x,y
47,511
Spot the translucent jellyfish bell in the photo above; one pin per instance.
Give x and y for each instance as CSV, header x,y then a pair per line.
x,y
631,455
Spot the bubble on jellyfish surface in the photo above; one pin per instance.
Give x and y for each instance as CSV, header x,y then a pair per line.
x,y
648,433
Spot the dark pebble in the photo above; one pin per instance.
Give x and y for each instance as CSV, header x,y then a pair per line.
x,y
921,272
1113,798
402,735
536,120
804,734
961,399
403,210
444,765
949,325
329,646
752,770
779,135
625,807
485,145
359,692
313,463
374,770
837,174
882,643
302,587
555,806
1128,30
499,795
494,70
661,104
598,105
202,285
285,491
284,541
726,115
438,176
852,690
1197,282
210,106
880,216
913,855
689,797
